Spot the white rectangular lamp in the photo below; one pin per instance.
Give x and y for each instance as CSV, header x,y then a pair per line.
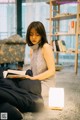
x,y
56,98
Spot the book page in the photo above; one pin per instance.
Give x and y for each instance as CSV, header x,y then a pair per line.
x,y
16,72
5,74
19,72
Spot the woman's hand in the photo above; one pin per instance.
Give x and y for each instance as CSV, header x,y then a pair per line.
x,y
27,76
30,77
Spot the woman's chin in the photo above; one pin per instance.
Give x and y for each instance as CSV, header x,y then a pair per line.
x,y
34,43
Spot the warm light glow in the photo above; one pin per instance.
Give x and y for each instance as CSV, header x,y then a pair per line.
x,y
56,98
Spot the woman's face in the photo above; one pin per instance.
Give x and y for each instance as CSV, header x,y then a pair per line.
x,y
34,36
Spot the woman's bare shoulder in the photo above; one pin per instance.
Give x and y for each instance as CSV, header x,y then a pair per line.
x,y
47,47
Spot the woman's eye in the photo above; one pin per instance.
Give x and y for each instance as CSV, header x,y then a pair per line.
x,y
34,34
31,34
37,34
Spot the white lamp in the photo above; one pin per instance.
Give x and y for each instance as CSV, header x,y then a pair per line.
x,y
56,98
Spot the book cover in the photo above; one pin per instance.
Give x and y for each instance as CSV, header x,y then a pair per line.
x,y
16,76
63,46
60,45
72,27
54,46
57,45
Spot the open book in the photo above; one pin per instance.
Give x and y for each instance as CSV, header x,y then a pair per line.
x,y
14,74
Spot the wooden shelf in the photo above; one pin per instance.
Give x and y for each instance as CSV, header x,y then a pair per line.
x,y
58,2
61,34
63,17
54,21
67,52
53,2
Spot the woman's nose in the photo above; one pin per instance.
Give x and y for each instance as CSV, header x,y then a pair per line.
x,y
34,36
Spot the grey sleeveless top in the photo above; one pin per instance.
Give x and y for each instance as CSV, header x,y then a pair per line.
x,y
38,63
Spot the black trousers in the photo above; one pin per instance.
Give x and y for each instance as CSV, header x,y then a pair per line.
x,y
11,111
25,95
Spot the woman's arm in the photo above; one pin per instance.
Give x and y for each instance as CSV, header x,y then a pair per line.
x,y
49,58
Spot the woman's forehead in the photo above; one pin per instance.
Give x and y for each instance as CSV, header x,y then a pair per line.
x,y
33,30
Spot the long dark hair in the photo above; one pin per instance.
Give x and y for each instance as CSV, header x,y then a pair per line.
x,y
39,27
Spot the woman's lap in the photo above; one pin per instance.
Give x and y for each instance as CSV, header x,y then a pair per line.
x,y
22,95
33,86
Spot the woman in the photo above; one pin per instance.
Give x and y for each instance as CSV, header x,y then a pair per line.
x,y
42,58
25,95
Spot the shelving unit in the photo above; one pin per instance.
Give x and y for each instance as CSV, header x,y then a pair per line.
x,y
54,26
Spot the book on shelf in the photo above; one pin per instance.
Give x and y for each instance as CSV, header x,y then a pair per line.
x,y
59,45
72,27
63,45
14,74
54,46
